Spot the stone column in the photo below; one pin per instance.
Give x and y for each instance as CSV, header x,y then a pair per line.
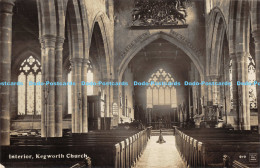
x,y
190,91
243,92
194,89
203,95
84,97
44,90
111,96
48,69
58,89
256,36
234,114
73,95
6,9
209,91
116,99
226,105
77,95
119,91
214,89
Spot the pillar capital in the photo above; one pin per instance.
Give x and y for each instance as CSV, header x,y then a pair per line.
x,y
242,54
85,61
48,41
76,61
107,80
6,6
213,77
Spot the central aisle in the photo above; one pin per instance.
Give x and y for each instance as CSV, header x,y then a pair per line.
x,y
160,155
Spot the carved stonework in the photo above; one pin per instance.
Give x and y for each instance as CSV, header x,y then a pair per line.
x,y
146,35
160,12
138,39
182,39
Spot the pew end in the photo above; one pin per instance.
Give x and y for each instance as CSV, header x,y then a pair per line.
x,y
86,163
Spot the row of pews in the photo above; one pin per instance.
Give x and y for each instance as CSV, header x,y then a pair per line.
x,y
216,147
113,148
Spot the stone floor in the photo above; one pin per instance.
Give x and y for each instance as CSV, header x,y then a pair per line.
x,y
161,155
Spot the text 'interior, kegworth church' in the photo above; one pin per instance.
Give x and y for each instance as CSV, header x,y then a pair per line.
x,y
130,83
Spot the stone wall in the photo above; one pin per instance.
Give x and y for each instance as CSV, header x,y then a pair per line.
x,y
128,94
124,36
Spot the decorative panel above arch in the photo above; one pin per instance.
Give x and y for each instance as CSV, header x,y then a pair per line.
x,y
160,14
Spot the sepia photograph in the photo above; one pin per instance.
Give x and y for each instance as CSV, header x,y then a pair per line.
x,y
129,83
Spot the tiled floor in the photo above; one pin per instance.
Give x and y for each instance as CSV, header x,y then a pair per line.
x,y
160,155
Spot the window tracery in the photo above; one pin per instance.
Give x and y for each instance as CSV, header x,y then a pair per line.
x,y
161,94
29,96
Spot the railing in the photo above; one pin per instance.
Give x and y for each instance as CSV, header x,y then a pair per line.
x,y
159,125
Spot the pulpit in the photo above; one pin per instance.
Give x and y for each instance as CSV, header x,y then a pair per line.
x,y
213,115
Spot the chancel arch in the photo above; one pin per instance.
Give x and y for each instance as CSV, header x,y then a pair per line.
x,y
140,44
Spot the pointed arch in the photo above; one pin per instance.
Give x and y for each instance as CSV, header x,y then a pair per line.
x,y
29,96
22,56
239,21
173,38
216,35
78,30
99,29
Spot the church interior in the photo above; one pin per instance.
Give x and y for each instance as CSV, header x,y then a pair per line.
x,y
95,83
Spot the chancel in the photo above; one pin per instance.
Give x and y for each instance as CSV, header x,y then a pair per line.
x,y
97,83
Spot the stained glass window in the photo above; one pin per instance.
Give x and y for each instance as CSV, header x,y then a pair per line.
x,y
29,96
161,94
252,78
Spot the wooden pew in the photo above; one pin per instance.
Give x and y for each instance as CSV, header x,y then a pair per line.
x,y
86,163
113,148
89,140
237,164
105,154
200,148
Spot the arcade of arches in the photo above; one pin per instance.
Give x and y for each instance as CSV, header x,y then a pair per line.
x,y
78,49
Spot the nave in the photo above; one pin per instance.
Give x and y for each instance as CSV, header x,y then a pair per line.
x,y
92,78
161,155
